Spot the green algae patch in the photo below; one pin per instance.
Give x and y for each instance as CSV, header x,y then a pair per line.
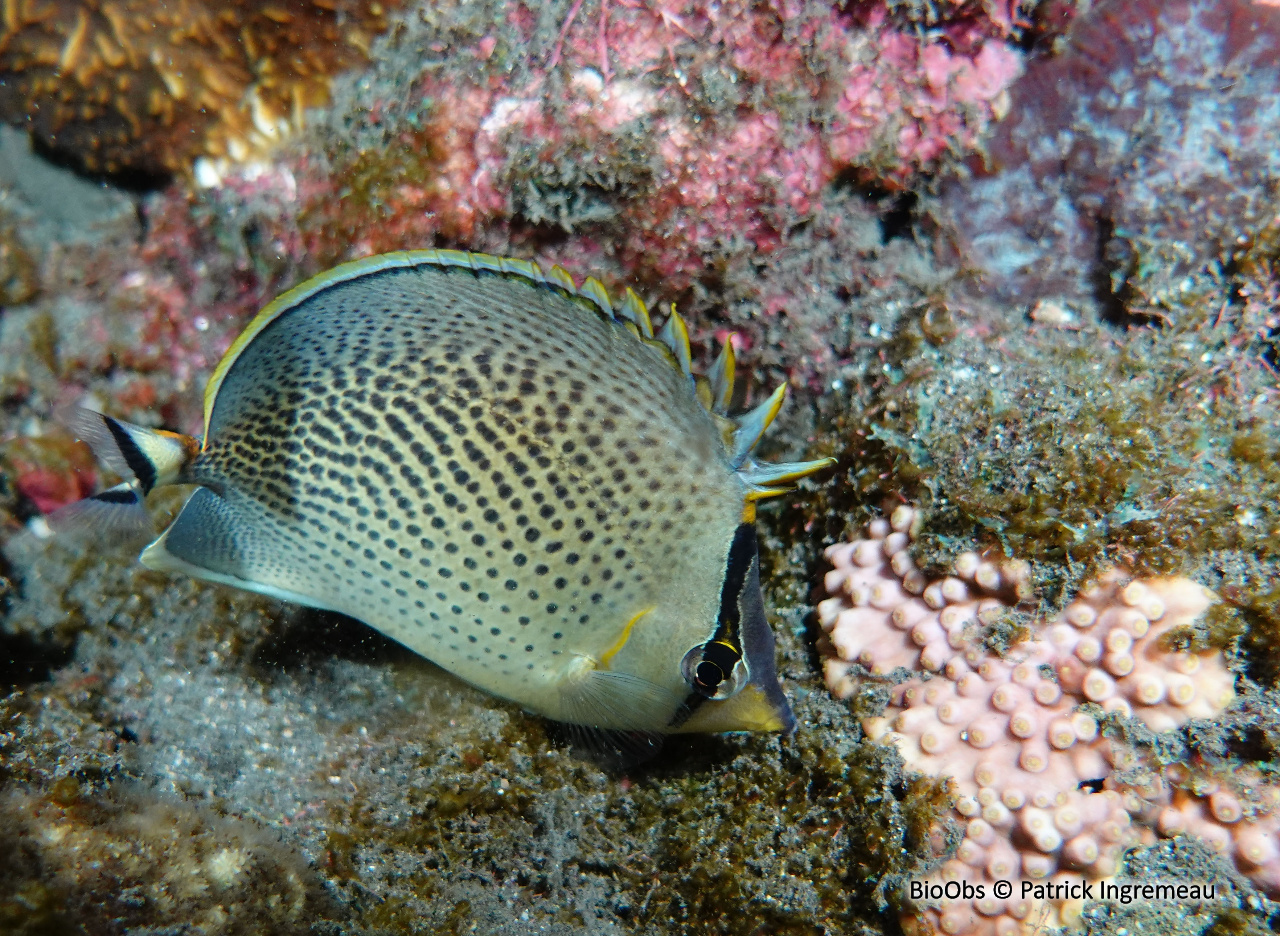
x,y
794,845
1074,450
1252,614
716,836
378,187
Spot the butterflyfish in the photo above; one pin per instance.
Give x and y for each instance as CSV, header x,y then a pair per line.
x,y
505,471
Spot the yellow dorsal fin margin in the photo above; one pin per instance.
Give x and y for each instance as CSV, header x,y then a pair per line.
x,y
721,377
675,335
633,310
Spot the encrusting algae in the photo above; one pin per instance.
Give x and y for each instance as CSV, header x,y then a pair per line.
x,y
497,468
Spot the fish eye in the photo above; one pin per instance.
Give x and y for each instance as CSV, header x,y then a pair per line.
x,y
714,670
707,676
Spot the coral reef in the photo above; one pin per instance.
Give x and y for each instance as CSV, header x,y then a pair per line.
x,y
141,86
1017,730
658,138
1135,165
703,144
594,134
50,471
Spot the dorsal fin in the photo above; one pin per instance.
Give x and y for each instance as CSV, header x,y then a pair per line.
x,y
752,424
592,293
629,313
721,377
594,290
561,277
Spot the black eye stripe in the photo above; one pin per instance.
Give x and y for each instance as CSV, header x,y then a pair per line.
x,y
721,655
742,552
723,652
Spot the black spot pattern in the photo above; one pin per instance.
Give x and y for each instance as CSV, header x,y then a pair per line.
x,y
429,449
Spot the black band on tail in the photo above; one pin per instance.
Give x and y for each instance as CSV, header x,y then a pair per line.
x,y
133,456
117,495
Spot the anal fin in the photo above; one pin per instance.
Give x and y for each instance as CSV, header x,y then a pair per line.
x,y
218,540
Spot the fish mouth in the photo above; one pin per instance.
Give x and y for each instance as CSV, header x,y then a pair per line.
x,y
757,707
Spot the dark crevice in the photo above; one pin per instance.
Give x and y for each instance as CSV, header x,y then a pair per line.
x,y
133,181
25,660
536,236
897,209
900,219
1252,744
1115,263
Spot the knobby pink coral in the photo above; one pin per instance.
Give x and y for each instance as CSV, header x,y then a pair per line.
x,y
1010,731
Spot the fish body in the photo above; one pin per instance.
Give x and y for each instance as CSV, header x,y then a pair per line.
x,y
498,469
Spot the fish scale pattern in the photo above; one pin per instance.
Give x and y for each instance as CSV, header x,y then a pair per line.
x,y
438,454
1028,763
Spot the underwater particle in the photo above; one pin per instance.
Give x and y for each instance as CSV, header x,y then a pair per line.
x,y
1054,313
1029,764
495,467
134,85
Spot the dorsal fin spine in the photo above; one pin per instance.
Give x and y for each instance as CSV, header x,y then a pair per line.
x,y
456,258
675,335
561,277
774,475
526,268
752,424
721,377
488,262
633,310
702,390
594,290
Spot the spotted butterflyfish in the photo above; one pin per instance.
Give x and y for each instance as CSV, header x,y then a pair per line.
x,y
505,471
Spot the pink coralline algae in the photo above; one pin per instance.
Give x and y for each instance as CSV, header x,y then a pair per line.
x,y
666,135
1035,781
1145,140
660,140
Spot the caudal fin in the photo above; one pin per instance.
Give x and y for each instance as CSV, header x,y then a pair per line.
x,y
149,457
152,456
